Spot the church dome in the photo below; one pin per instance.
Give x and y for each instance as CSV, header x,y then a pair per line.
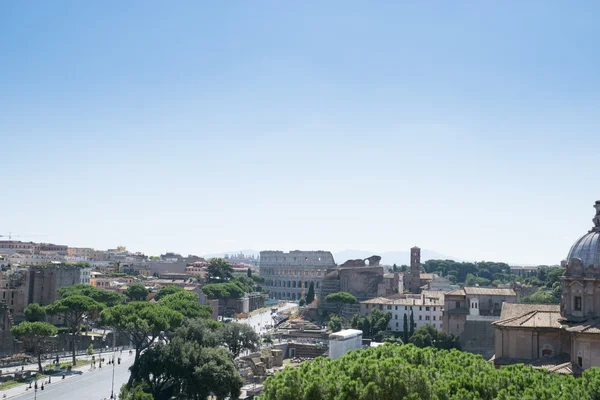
x,y
587,248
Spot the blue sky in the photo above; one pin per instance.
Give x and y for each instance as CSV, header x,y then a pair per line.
x,y
469,128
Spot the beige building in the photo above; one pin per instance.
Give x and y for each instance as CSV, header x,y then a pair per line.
x,y
85,252
427,308
565,337
16,246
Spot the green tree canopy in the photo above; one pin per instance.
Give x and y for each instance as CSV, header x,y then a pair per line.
x,y
408,372
191,366
335,323
218,270
238,338
341,299
205,332
35,336
542,296
167,290
136,292
227,290
372,325
427,336
105,297
75,309
142,323
35,312
187,304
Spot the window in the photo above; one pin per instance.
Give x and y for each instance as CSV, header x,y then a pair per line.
x,y
458,304
426,308
389,307
396,316
434,317
396,324
420,308
405,308
433,308
577,303
580,360
427,318
396,308
420,317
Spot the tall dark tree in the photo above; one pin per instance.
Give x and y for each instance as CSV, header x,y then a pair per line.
x,y
238,338
218,270
36,337
136,292
187,304
168,290
249,273
405,330
310,296
105,297
428,336
75,310
335,323
412,325
143,323
340,299
35,312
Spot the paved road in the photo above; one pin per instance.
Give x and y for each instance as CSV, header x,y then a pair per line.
x,y
259,320
91,385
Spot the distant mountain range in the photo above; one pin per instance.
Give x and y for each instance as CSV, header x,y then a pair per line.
x,y
387,257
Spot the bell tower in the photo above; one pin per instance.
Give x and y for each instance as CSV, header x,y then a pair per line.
x,y
415,270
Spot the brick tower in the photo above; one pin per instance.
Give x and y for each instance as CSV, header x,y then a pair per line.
x,y
415,270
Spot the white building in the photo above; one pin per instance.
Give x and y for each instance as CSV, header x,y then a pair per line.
x,y
442,284
427,308
343,341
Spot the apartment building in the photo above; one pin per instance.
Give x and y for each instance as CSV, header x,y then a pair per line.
x,y
44,281
426,308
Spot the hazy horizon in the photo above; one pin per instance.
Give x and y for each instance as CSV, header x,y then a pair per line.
x,y
466,128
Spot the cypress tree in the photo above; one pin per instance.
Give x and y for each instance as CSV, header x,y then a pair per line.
x,y
412,324
310,297
405,332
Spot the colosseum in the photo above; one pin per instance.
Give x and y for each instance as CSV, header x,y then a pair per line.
x,y
286,273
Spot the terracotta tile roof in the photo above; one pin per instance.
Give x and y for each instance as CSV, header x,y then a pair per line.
x,y
474,290
510,310
457,292
529,316
592,326
433,293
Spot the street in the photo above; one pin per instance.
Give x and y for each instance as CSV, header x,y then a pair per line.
x,y
96,384
259,320
92,385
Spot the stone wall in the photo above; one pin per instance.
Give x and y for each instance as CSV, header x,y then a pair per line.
x,y
286,273
478,337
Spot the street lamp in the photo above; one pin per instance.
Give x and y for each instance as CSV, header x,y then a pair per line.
x,y
112,390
